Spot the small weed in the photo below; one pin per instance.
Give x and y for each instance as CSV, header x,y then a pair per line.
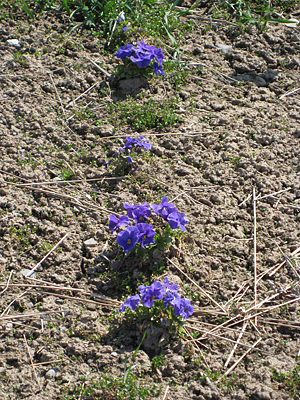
x,y
149,115
157,361
290,382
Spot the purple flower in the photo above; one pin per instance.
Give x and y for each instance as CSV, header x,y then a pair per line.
x,y
151,293
106,164
150,51
142,289
114,223
182,220
142,60
146,234
142,143
124,29
130,209
173,288
129,160
131,302
173,220
183,308
158,54
142,47
177,221
157,69
164,208
142,54
128,239
140,213
170,298
125,52
129,143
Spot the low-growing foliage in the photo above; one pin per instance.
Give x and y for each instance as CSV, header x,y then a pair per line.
x,y
151,114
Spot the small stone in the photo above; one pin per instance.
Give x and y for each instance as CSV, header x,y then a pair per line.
x,y
90,243
114,354
13,42
2,370
24,272
51,373
224,48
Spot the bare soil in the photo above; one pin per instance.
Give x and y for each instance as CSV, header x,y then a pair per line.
x,y
237,134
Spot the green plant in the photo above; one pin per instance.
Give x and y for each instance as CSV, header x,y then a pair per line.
x,y
290,381
157,361
255,12
20,59
151,114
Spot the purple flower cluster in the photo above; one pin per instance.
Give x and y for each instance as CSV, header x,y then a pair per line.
x,y
130,143
142,55
170,214
158,291
143,232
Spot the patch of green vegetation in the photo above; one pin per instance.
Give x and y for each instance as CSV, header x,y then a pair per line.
x,y
157,361
20,59
111,388
84,114
108,387
66,174
150,114
257,12
289,382
152,18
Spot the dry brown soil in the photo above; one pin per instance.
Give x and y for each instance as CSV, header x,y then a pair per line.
x,y
233,138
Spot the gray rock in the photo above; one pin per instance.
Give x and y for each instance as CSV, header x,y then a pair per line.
x,y
2,370
252,77
90,242
271,75
224,48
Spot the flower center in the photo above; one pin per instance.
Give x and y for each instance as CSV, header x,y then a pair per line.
x,y
152,298
145,237
141,218
128,241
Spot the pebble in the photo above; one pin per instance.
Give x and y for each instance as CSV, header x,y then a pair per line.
x,y
51,373
13,42
90,243
24,272
224,48
114,354
2,370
